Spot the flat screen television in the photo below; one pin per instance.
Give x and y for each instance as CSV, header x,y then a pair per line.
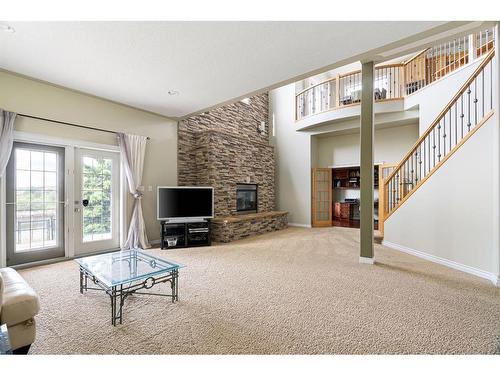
x,y
185,203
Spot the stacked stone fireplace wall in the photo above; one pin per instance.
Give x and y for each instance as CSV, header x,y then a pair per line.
x,y
225,147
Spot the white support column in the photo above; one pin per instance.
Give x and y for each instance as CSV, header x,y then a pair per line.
x,y
366,157
472,48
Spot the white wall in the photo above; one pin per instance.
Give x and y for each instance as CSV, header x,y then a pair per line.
x,y
293,158
391,144
433,98
27,96
451,215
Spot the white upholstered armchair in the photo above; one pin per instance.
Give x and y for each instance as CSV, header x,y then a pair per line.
x,y
18,307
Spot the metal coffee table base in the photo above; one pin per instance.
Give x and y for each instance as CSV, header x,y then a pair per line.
x,y
120,292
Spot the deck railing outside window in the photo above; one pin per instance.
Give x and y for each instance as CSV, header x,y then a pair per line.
x,y
396,80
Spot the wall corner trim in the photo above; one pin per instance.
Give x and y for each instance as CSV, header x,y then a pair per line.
x,y
494,279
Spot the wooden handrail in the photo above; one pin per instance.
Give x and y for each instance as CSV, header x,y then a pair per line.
x,y
316,85
350,73
416,56
345,75
411,78
398,65
462,89
387,214
388,66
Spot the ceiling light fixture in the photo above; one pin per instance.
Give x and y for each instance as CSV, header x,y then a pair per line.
x,y
173,92
7,28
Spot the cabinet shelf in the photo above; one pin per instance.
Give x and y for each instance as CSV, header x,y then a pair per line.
x,y
351,188
185,234
349,175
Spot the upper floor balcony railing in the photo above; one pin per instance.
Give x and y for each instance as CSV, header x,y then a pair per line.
x,y
395,81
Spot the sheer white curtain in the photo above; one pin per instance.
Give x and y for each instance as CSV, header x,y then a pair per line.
x,y
133,149
6,137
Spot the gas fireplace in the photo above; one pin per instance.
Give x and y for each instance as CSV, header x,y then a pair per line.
x,y
246,198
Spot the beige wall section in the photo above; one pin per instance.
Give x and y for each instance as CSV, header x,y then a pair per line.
x,y
391,144
23,95
293,157
450,215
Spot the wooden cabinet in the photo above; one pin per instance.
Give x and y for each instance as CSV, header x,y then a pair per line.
x,y
342,210
336,210
340,174
349,177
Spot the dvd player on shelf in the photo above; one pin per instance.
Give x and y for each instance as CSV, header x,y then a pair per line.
x,y
187,234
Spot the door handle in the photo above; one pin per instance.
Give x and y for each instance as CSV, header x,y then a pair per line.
x,y
83,202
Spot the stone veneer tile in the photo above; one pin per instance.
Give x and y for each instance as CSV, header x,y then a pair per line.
x,y
222,148
231,231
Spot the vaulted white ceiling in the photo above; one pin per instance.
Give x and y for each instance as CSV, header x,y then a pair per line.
x,y
208,63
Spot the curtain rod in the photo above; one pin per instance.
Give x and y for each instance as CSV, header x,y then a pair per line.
x,y
69,123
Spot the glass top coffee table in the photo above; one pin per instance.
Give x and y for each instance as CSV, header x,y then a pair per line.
x,y
4,340
126,272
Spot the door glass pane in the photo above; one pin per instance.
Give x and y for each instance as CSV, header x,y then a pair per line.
x,y
36,160
50,162
322,195
23,160
23,178
96,188
36,187
37,180
50,180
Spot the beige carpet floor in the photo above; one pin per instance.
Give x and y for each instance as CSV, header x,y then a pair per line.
x,y
293,291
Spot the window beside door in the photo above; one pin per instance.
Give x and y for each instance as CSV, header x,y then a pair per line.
x,y
36,216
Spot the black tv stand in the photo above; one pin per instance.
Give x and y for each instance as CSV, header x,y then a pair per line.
x,y
189,234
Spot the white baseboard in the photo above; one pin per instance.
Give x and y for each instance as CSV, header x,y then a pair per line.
x,y
299,225
366,260
154,242
445,262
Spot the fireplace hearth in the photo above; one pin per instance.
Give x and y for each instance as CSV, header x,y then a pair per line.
x,y
246,198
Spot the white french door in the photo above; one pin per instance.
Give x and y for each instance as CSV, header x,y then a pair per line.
x,y
97,201
35,202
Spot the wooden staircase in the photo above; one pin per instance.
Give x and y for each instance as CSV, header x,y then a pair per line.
x,y
465,113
